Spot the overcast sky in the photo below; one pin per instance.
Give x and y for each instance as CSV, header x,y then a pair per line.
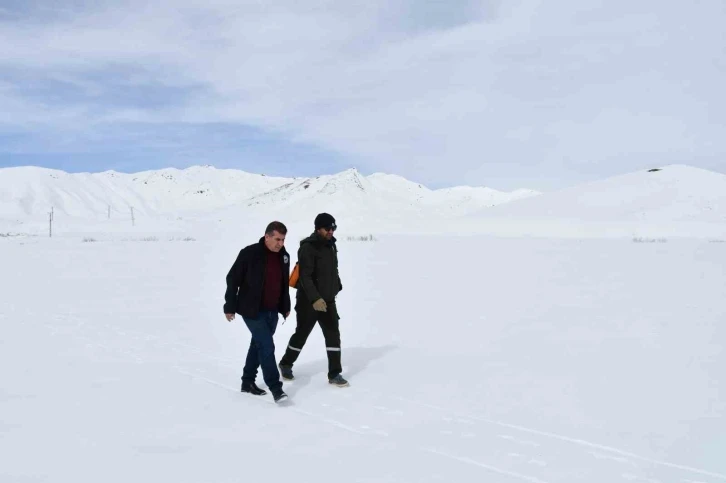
x,y
501,93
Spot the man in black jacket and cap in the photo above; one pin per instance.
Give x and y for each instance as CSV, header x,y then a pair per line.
x,y
317,287
258,290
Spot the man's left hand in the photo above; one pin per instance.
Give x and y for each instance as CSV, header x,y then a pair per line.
x,y
287,314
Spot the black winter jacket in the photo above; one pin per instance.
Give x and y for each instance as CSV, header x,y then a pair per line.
x,y
246,279
319,276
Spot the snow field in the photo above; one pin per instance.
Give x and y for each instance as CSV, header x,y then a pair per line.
x,y
470,359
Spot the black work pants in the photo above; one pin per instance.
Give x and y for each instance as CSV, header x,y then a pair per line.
x,y
307,316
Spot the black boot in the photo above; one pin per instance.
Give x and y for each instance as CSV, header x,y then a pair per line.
x,y
286,372
279,396
253,389
339,381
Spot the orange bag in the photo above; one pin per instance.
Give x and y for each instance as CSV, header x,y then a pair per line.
x,y
295,275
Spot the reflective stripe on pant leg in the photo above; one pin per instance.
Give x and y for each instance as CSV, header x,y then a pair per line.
x,y
331,331
306,320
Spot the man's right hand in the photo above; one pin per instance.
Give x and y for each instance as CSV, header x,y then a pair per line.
x,y
229,317
320,305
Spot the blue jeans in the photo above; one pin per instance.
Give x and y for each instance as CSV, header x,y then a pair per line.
x,y
262,351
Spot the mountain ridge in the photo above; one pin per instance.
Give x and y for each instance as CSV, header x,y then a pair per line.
x,y
673,192
33,191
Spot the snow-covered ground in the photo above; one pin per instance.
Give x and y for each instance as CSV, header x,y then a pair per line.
x,y
576,336
471,359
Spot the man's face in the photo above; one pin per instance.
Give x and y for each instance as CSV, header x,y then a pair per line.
x,y
274,242
328,231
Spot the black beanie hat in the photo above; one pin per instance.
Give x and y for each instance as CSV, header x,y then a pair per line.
x,y
324,220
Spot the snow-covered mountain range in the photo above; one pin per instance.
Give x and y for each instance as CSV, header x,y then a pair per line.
x,y
32,191
674,200
671,201
672,193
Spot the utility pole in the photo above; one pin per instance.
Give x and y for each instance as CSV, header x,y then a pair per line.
x,y
50,224
133,221
52,213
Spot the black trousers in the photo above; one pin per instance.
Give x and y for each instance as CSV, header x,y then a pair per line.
x,y
307,316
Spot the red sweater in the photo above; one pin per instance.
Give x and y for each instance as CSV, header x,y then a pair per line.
x,y
273,282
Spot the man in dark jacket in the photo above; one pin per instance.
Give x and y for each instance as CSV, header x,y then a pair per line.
x,y
258,290
317,287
